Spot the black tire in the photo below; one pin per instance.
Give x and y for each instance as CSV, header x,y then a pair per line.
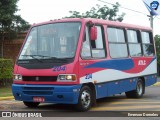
x,y
138,92
31,104
85,99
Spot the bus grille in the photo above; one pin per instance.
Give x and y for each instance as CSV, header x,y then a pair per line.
x,y
38,90
40,78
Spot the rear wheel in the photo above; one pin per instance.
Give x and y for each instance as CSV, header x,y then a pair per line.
x,y
31,104
138,92
85,99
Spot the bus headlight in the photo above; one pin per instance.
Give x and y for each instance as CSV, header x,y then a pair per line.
x,y
17,77
67,77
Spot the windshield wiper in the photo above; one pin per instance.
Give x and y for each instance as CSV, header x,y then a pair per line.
x,y
34,57
58,59
48,57
42,56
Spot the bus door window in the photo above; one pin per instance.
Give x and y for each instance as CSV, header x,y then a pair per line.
x,y
86,50
97,45
93,48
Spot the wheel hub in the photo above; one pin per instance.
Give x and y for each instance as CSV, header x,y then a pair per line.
x,y
85,98
139,88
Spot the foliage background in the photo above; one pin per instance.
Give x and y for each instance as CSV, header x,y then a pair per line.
x,y
100,12
157,43
6,71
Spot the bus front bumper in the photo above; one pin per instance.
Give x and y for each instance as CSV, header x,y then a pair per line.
x,y
67,94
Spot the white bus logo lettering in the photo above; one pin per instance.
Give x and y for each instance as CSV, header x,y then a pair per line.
x,y
142,62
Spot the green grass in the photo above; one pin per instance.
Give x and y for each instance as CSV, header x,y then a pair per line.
x,y
5,91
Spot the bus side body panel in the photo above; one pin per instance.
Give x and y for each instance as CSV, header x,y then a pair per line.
x,y
150,80
117,69
115,87
116,76
120,86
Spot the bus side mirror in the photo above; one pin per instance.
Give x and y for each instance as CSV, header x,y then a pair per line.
x,y
93,33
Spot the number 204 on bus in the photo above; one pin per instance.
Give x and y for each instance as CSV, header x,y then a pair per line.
x,y
79,60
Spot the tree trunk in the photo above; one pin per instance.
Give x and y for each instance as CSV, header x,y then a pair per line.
x,y
2,41
158,70
2,46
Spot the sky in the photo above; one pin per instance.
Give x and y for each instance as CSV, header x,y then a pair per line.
x,y
36,11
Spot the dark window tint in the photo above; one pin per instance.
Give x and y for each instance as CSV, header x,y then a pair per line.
x,y
148,49
147,43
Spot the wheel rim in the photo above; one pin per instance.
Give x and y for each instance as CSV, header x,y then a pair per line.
x,y
85,98
139,88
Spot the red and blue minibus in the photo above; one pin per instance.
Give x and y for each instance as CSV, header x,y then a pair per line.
x,y
79,60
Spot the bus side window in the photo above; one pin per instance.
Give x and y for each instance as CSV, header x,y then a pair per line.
x,y
147,43
117,43
134,43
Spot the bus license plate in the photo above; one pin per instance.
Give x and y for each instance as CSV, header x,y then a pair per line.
x,y
38,99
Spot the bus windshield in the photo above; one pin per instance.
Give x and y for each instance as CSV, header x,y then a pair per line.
x,y
58,40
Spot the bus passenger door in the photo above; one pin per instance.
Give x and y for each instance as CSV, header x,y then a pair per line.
x,y
93,53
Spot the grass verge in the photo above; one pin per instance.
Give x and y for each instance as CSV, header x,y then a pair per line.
x,y
5,91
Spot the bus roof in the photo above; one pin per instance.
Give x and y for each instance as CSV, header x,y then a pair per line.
x,y
98,21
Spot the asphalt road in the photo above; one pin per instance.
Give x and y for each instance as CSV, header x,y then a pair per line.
x,y
117,105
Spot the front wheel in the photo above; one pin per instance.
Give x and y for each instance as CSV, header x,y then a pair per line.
x,y
85,99
138,92
31,104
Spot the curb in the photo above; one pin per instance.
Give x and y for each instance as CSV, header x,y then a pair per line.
x,y
157,84
7,98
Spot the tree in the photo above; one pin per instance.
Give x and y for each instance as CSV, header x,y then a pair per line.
x,y
10,24
157,44
99,12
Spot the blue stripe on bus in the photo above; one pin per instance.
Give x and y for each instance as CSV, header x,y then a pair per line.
x,y
125,64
